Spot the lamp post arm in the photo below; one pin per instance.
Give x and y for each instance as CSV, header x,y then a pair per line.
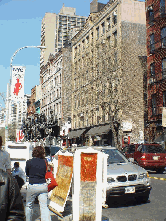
x,y
40,47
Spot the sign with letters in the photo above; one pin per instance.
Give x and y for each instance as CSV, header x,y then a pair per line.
x,y
17,84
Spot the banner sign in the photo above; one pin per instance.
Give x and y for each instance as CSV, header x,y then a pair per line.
x,y
20,136
17,84
88,161
87,202
88,185
58,196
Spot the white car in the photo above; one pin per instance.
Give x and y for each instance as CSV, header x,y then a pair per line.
x,y
124,178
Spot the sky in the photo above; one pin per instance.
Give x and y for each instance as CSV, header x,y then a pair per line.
x,y
20,25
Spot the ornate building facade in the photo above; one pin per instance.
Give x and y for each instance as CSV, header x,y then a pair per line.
x,y
109,66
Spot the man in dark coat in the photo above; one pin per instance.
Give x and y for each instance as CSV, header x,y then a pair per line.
x,y
11,205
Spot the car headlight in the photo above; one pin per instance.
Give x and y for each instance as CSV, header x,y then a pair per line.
x,y
142,176
110,180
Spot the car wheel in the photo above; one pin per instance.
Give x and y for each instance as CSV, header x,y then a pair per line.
x,y
161,170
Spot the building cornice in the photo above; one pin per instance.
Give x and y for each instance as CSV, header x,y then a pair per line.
x,y
85,31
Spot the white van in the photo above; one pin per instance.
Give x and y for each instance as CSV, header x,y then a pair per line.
x,y
19,152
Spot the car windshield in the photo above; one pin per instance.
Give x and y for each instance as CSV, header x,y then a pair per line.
x,y
114,156
152,149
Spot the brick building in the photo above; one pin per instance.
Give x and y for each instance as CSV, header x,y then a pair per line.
x,y
156,66
109,70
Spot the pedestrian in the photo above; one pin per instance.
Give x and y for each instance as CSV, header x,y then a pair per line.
x,y
11,205
5,162
19,174
36,170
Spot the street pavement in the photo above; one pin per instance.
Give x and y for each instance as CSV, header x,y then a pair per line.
x,y
67,214
119,212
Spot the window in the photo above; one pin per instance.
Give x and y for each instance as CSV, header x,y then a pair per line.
x,y
75,51
97,30
92,35
115,38
164,99
164,68
83,45
114,18
108,23
154,104
152,69
60,78
162,7
103,28
74,83
163,37
150,14
87,39
152,43
115,58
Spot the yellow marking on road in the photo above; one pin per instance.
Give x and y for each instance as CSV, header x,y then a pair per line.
x,y
157,178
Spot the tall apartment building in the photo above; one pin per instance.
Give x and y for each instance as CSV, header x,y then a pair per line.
x,y
109,67
56,29
156,66
55,64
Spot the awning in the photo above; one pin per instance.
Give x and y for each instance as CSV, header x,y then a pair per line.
x,y
93,131
98,130
76,133
159,139
104,129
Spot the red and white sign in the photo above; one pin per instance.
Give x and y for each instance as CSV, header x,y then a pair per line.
x,y
17,85
20,136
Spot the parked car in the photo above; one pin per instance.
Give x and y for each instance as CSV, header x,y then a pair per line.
x,y
149,156
125,179
50,151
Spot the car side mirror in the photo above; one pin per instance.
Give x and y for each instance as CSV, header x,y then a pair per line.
x,y
131,160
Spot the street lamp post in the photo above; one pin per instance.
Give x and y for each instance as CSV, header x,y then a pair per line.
x,y
8,88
